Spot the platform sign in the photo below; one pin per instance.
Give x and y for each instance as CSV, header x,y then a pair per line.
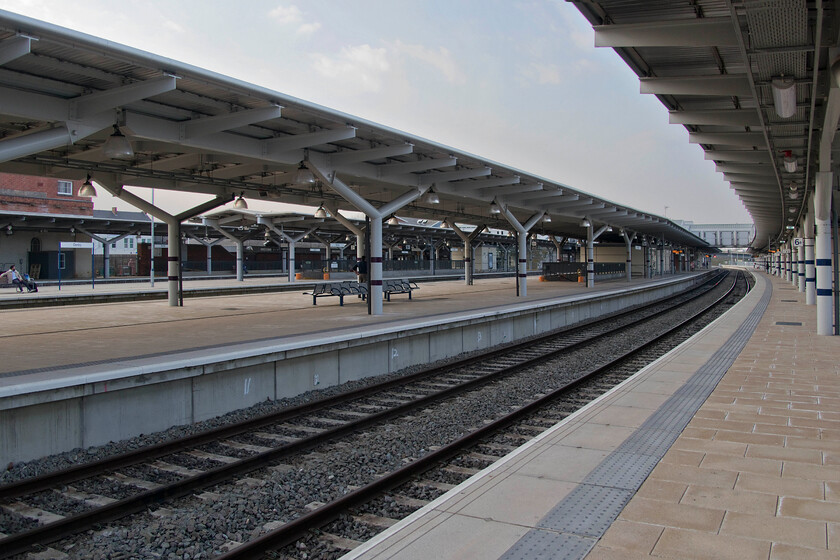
x,y
75,245
798,242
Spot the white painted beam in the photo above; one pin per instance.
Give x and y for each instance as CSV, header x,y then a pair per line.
x,y
14,48
757,169
220,123
706,32
739,156
747,139
357,156
309,139
726,117
449,176
726,85
91,104
390,169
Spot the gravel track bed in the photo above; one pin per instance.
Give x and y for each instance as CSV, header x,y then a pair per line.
x,y
14,523
108,488
54,502
219,449
150,474
199,528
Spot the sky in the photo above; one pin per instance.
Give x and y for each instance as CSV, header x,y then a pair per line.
x,y
516,82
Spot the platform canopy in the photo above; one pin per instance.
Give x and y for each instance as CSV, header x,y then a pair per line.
x,y
62,93
748,80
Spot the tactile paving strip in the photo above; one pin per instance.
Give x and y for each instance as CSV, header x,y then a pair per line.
x,y
571,529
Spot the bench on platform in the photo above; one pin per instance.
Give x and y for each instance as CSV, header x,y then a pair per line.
x,y
398,286
337,289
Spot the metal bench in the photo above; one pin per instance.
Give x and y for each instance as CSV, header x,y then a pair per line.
x,y
328,289
398,286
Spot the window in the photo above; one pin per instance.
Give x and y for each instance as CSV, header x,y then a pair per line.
x,y
65,188
35,245
128,243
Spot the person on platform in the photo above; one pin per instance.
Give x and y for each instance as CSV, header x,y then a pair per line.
x,y
19,281
361,270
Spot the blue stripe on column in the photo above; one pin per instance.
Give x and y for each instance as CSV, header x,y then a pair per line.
x,y
811,261
823,262
823,291
809,280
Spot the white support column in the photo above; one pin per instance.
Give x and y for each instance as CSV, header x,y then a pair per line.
x,y
329,177
209,245
173,224
822,224
522,229
291,240
106,248
662,256
792,263
291,276
558,246
467,239
173,253
628,241
810,269
375,264
591,236
240,245
590,256
801,262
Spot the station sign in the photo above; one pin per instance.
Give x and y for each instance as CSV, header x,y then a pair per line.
x,y
75,245
798,242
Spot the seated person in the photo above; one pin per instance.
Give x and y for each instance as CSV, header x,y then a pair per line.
x,y
19,281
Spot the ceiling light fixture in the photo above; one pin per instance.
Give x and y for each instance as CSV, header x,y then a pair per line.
x,y
495,208
117,146
546,218
784,96
789,161
304,175
240,203
321,212
393,221
87,188
432,197
585,223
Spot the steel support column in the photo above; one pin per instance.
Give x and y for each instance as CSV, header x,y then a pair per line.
x,y
822,226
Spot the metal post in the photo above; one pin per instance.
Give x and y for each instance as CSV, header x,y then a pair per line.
x,y
822,223
152,264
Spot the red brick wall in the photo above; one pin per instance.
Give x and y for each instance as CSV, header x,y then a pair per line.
x,y
25,193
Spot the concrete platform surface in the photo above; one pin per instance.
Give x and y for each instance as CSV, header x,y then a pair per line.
x,y
753,473
51,338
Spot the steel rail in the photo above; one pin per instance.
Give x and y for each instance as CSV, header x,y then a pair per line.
x,y
79,472
21,542
297,528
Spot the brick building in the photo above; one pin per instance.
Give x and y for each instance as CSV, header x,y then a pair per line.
x,y
46,195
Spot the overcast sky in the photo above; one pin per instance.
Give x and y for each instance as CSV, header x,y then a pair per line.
x,y
516,82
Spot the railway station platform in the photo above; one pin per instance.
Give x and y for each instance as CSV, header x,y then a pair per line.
x,y
728,447
82,375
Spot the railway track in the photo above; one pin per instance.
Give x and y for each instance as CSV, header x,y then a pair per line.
x,y
70,504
